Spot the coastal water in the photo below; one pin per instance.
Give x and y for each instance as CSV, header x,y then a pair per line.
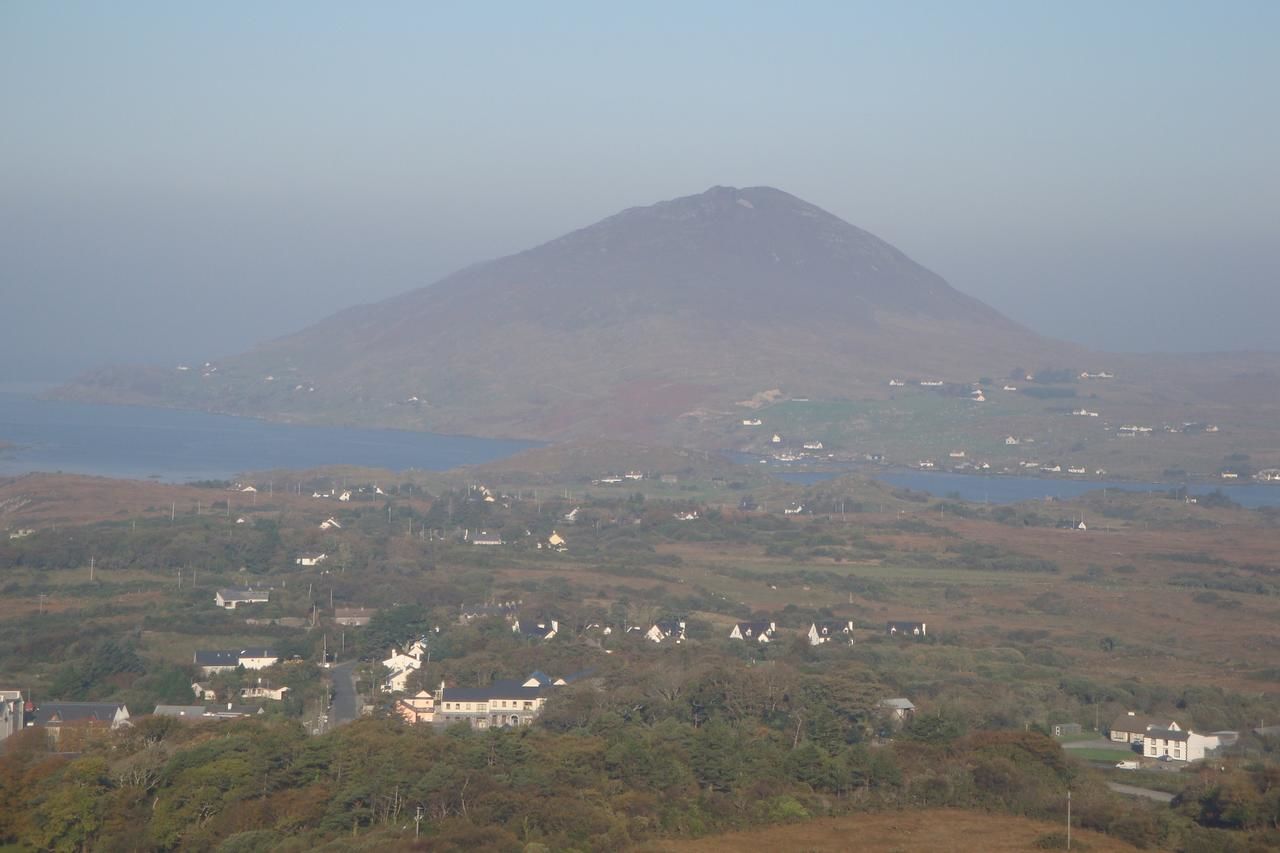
x,y
178,446
1001,489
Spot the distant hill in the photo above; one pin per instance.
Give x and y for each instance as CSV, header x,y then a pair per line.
x,y
637,327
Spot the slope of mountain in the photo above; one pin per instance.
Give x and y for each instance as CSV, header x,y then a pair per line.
x,y
619,329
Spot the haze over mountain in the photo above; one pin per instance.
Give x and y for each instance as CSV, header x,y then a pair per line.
x,y
622,327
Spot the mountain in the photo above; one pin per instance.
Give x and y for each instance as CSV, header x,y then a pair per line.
x,y
619,329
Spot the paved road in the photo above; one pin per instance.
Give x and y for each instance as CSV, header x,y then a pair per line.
x,y
1135,791
344,708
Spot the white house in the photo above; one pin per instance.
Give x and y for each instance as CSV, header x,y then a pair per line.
x,y
751,422
828,630
666,630
310,559
213,661
330,523
905,629
1181,745
483,537
401,665
1011,441
761,632
230,599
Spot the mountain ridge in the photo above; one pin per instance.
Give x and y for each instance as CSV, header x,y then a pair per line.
x,y
624,326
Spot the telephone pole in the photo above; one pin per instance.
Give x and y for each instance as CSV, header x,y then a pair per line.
x,y
1068,818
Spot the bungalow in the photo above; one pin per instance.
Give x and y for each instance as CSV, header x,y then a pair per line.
x,y
259,692
751,422
761,632
793,509
353,617
900,710
1010,388
345,496
1131,728
813,445
545,629
311,559
777,439
572,515
829,629
690,515
483,537
666,629
204,691
230,599
896,383
905,629
1011,440
215,661
330,523
468,614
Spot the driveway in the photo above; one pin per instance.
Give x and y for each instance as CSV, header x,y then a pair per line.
x,y
1135,791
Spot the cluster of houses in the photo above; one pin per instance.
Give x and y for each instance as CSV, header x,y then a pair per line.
x,y
504,703
1163,739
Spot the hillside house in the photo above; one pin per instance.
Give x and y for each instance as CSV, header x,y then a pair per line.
x,y
542,629
418,708
1010,441
353,617
92,717
829,630
1132,728
230,599
204,691
483,537
666,629
760,632
211,661
330,523
1178,745
793,509
900,710
813,445
258,691
401,665
310,559
905,629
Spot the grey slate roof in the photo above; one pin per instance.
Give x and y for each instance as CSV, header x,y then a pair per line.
x,y
75,712
501,689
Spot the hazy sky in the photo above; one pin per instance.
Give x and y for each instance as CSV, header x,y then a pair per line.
x,y
180,180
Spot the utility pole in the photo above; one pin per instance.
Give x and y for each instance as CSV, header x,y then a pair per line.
x,y
91,570
179,580
417,819
1068,818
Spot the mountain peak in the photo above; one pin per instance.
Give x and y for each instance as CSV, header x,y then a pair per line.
x,y
621,327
